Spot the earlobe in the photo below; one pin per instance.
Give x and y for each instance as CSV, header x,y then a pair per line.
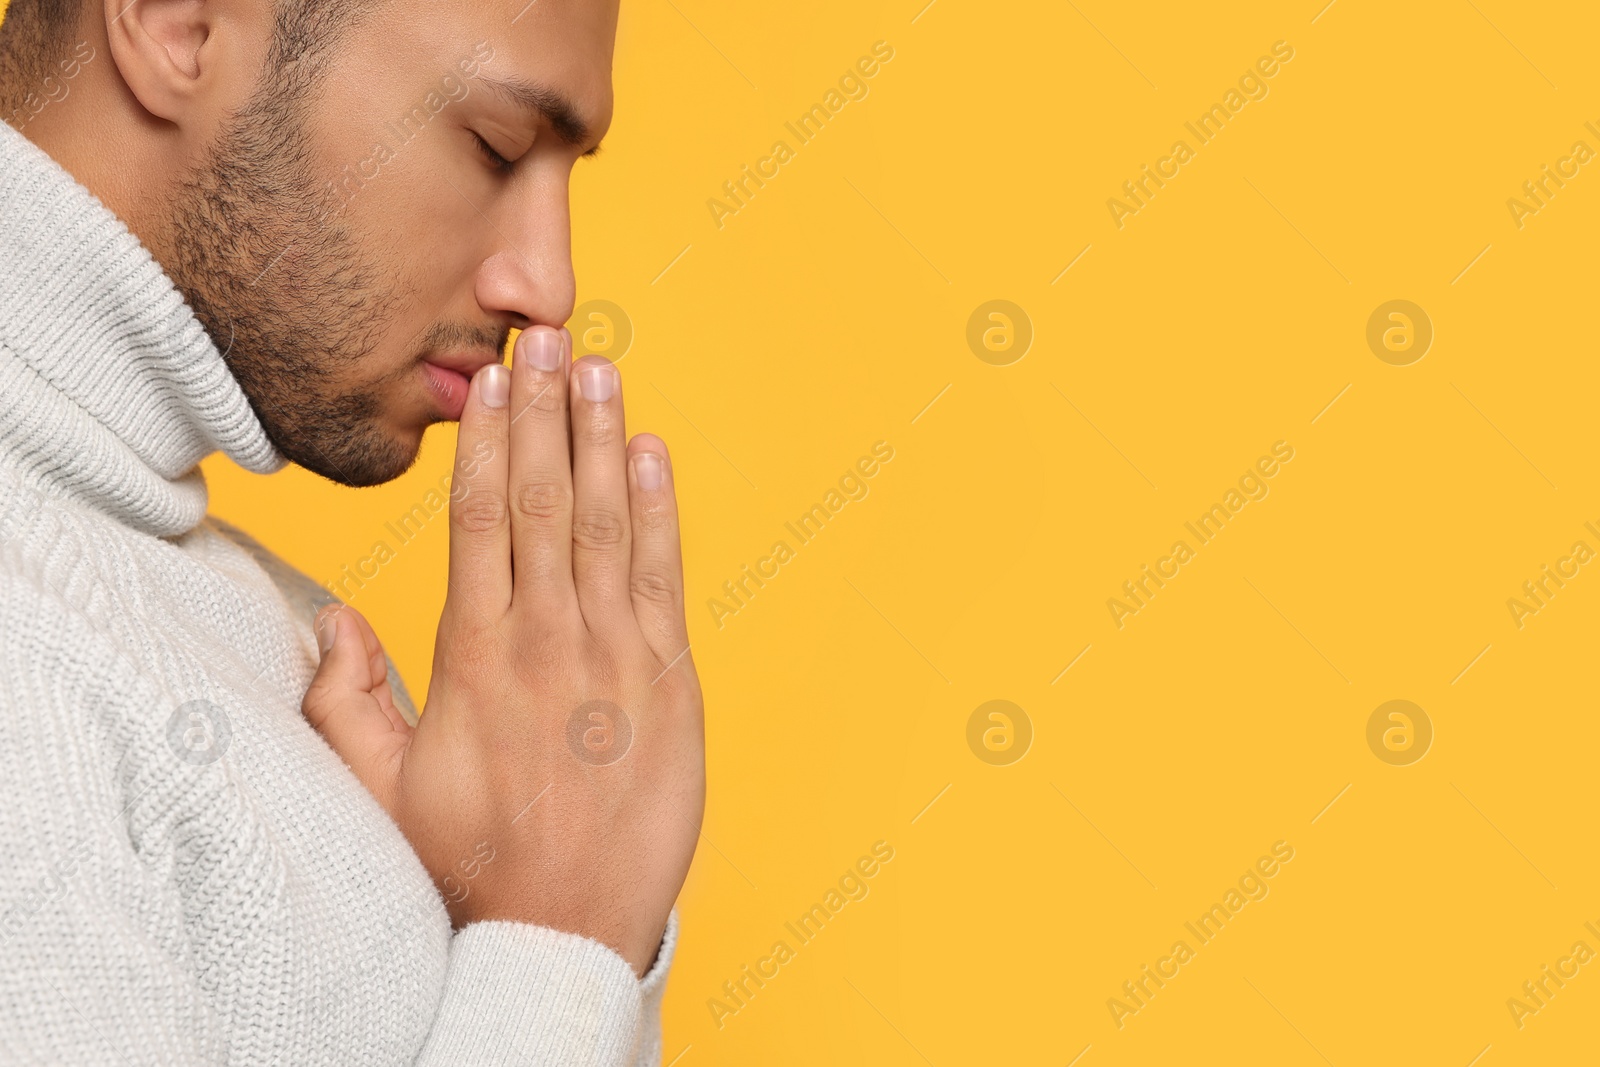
x,y
158,47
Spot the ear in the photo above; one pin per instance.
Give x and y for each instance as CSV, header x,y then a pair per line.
x,y
159,46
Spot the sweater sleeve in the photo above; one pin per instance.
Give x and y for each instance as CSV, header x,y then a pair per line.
x,y
523,994
652,988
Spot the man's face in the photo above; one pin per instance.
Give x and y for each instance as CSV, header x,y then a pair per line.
x,y
360,248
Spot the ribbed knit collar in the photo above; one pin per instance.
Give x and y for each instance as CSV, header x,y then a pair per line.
x,y
112,392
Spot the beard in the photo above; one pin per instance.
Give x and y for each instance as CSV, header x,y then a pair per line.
x,y
291,298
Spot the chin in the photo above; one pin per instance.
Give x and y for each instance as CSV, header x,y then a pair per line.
x,y
355,458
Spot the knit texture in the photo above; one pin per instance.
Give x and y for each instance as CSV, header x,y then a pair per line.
x,y
192,875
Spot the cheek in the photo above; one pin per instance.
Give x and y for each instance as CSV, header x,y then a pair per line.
x,y
420,254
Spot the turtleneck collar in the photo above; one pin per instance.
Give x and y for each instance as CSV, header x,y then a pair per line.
x,y
111,390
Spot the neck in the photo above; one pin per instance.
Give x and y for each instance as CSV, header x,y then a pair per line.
x,y
67,97
117,391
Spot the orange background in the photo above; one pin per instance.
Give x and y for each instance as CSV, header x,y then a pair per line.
x,y
1231,712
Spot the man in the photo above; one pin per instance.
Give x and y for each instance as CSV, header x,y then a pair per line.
x,y
303,230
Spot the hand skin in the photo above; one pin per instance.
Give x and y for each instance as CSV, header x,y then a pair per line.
x,y
566,586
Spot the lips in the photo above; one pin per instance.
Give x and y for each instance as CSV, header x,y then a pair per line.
x,y
449,377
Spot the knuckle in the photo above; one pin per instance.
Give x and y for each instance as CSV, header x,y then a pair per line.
x,y
548,402
543,502
479,512
544,658
653,588
669,690
599,531
602,666
679,690
475,654
314,702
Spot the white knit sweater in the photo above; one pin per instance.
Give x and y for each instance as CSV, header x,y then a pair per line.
x,y
188,874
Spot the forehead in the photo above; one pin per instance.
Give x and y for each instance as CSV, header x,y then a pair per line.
x,y
562,45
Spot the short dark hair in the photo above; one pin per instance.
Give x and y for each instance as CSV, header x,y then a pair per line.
x,y
35,35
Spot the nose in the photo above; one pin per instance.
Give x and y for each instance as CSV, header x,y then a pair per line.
x,y
528,279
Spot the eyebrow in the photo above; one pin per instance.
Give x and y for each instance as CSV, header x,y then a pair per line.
x,y
554,108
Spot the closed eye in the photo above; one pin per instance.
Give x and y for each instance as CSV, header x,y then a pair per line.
x,y
496,160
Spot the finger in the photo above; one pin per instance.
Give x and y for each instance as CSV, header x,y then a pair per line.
x,y
541,473
656,582
480,532
378,671
340,703
600,525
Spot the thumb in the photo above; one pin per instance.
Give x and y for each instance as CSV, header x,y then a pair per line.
x,y
346,701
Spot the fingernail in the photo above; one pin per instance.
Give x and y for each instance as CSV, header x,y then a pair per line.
x,y
566,335
496,385
647,468
543,348
598,381
327,631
